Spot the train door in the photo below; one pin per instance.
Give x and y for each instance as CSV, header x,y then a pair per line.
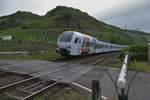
x,y
90,46
85,45
76,50
80,45
94,46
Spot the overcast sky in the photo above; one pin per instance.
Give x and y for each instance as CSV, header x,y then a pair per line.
x,y
132,13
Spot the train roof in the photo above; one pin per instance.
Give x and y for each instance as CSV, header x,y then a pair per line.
x,y
100,41
78,33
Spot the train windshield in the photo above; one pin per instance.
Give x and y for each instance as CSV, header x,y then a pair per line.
x,y
66,37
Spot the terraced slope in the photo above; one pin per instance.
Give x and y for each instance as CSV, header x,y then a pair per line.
x,y
31,27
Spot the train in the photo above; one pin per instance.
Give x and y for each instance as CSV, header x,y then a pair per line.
x,y
72,43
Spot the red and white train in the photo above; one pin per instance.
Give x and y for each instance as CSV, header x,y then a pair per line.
x,y
72,43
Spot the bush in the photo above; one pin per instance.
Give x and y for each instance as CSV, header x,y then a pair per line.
x,y
25,26
138,52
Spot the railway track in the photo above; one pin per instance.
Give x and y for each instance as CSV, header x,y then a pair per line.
x,y
10,77
93,60
30,87
77,59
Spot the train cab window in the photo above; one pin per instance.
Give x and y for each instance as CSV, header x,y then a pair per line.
x,y
66,37
76,40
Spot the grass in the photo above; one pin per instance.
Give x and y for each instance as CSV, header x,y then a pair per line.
x,y
7,98
49,55
25,34
134,65
140,66
63,95
37,51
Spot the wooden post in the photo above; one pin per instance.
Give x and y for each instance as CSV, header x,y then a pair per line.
x,y
134,63
96,90
122,91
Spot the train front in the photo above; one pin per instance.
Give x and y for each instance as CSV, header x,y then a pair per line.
x,y
64,43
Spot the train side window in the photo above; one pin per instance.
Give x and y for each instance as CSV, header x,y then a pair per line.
x,y
91,44
88,43
76,40
80,41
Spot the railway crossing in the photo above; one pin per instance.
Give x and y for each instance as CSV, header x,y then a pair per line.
x,y
45,74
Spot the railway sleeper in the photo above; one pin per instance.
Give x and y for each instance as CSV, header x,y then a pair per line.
x,y
36,88
25,91
29,87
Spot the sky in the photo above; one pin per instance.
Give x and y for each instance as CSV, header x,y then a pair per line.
x,y
134,14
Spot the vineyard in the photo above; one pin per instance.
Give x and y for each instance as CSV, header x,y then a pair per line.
x,y
42,46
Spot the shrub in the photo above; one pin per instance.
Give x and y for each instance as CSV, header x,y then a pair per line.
x,y
25,26
138,52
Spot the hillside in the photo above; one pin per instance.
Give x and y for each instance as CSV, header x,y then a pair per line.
x,y
31,27
17,19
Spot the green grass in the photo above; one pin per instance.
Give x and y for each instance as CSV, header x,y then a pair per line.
x,y
34,55
7,98
33,35
37,51
139,65
63,95
60,95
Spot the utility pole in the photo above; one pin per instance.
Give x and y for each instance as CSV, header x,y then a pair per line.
x,y
137,29
149,51
125,27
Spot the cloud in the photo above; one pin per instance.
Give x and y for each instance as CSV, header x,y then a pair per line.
x,y
134,13
140,22
125,7
35,6
42,6
2,6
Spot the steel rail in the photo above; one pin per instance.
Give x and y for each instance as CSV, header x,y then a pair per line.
x,y
104,60
94,58
28,79
51,85
60,80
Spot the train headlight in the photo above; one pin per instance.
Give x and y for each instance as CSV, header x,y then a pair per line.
x,y
57,50
68,47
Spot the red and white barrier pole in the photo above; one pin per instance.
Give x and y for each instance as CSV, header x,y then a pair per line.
x,y
122,79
